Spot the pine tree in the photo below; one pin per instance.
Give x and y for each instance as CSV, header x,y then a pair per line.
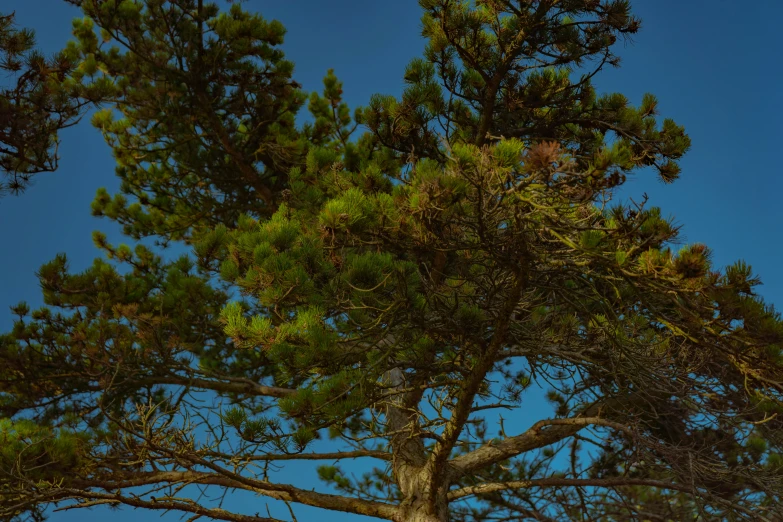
x,y
41,98
393,296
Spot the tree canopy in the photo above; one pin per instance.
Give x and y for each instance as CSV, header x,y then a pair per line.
x,y
388,287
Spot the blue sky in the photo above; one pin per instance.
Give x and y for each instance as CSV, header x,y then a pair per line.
x,y
713,64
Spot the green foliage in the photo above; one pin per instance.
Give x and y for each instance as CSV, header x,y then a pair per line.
x,y
207,114
40,453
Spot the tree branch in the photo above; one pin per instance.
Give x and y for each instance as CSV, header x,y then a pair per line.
x,y
337,455
95,498
227,479
461,412
246,387
542,433
563,482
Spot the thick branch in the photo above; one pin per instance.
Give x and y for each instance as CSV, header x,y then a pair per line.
x,y
542,433
94,498
336,455
462,410
563,482
283,492
247,387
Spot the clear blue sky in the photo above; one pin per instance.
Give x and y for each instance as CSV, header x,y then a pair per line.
x,y
714,65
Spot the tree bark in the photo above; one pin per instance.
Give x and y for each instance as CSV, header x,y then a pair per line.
x,y
409,463
421,504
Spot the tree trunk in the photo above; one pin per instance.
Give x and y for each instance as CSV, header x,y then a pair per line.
x,y
409,466
424,514
421,504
